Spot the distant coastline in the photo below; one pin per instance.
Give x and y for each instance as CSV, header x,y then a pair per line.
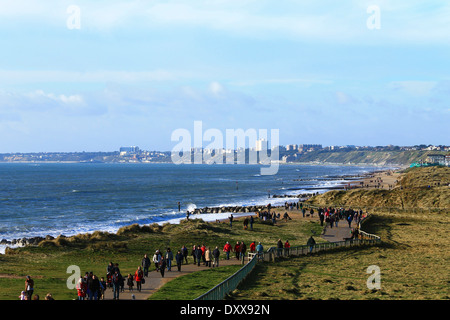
x,y
354,157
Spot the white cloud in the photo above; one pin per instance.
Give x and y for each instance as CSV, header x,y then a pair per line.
x,y
414,88
8,77
401,21
216,88
57,98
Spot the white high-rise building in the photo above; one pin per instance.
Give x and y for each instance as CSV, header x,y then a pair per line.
x,y
261,144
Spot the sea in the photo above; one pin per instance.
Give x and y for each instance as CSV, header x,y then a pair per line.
x,y
40,199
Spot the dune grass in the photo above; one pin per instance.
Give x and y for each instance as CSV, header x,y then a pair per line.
x,y
191,286
47,263
413,260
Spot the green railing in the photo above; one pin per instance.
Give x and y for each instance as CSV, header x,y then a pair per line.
x,y
222,289
231,283
274,252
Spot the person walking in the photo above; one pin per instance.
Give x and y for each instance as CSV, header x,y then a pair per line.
x,y
94,288
81,288
203,254
179,259
169,258
162,266
130,282
207,257
116,281
311,242
194,253
198,255
322,218
145,264
231,220
102,289
138,275
184,252
287,246
349,220
156,260
252,247
237,249
216,256
279,247
29,287
227,249
260,250
243,249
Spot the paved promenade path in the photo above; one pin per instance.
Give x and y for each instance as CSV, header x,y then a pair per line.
x,y
338,233
154,280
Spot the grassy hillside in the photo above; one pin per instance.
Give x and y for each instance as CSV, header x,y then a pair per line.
x,y
425,188
413,262
412,258
365,157
47,263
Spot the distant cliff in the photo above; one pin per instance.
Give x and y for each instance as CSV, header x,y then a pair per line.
x,y
417,188
401,158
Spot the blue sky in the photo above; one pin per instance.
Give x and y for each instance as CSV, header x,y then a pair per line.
x,y
135,71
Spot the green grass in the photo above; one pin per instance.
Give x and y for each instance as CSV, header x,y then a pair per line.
x,y
47,263
191,286
413,260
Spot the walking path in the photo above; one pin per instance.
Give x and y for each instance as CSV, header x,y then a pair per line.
x,y
338,233
154,280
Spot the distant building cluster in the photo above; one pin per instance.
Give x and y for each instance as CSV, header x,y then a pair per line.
x,y
134,154
439,159
435,155
303,147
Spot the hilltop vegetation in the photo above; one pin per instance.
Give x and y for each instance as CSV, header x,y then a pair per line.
x,y
412,258
394,157
425,188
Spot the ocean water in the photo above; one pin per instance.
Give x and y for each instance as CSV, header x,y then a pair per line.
x,y
71,198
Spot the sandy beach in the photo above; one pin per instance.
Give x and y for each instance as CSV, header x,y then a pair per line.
x,y
386,180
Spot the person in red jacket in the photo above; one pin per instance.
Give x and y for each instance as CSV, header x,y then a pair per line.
x,y
286,247
237,249
252,247
81,289
138,275
227,249
203,254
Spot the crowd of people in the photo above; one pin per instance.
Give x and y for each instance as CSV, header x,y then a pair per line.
x,y
331,216
91,287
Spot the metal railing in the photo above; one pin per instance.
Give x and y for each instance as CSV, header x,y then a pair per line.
x,y
231,283
363,239
222,289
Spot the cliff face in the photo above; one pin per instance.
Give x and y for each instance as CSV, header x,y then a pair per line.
x,y
424,188
403,158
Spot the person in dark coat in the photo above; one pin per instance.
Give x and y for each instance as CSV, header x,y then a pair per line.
x,y
216,256
198,255
185,253
279,247
162,265
179,259
311,242
145,264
